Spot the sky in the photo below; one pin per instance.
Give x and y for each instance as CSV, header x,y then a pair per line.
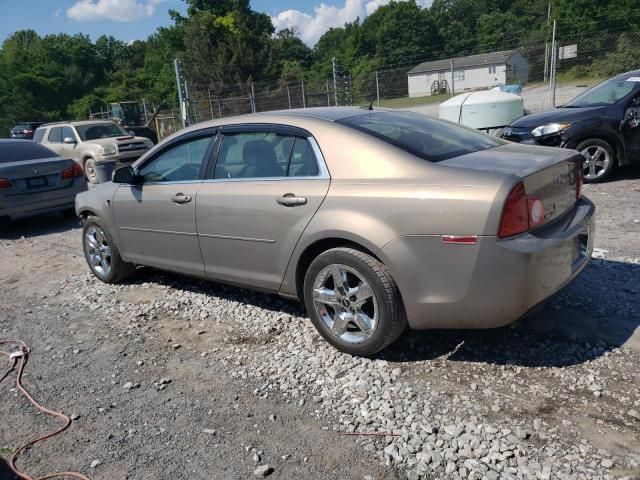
x,y
130,20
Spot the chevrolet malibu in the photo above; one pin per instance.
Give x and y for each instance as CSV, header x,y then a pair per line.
x,y
376,220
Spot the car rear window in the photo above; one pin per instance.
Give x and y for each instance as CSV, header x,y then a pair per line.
x,y
427,138
23,151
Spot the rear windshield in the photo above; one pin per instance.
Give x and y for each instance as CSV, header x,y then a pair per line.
x,y
23,151
424,137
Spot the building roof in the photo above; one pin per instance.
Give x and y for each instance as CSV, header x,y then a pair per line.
x,y
493,58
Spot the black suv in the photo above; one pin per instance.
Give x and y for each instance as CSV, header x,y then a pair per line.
x,y
602,123
25,130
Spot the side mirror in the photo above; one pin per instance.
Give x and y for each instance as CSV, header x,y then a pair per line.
x,y
69,140
126,175
132,133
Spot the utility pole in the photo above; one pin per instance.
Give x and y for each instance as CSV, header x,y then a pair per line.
x,y
452,79
304,102
253,98
289,97
335,80
378,89
546,45
554,61
182,93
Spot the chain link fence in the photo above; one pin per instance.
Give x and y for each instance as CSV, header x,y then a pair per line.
x,y
545,74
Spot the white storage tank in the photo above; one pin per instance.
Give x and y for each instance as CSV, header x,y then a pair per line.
x,y
485,109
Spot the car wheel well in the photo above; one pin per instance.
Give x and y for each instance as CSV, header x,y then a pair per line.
x,y
618,150
315,249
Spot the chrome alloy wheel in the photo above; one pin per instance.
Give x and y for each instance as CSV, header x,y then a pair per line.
x,y
596,161
99,251
346,303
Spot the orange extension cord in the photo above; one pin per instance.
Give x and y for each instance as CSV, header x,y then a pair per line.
x,y
19,358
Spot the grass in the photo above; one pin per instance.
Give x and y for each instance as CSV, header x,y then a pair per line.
x,y
404,102
4,451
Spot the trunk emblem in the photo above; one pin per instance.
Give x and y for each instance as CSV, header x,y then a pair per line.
x,y
35,171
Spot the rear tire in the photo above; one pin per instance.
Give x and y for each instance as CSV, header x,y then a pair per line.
x,y
101,253
353,301
599,159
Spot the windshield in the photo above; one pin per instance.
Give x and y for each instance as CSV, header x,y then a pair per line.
x,y
424,137
94,131
605,93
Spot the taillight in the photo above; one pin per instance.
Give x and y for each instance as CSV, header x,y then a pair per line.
x,y
74,171
580,177
521,212
4,183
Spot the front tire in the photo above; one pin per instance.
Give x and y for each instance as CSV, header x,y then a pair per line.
x,y
101,253
599,160
353,301
90,170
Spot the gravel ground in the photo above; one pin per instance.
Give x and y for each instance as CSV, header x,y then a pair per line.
x,y
170,377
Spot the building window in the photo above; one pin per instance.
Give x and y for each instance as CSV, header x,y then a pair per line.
x,y
492,69
458,74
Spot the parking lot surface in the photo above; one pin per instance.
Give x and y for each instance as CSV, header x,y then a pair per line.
x,y
169,377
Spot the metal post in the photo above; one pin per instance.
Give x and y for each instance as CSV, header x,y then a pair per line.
x,y
181,92
253,98
452,79
289,97
554,60
546,45
304,102
144,106
335,81
377,89
328,97
219,108
210,104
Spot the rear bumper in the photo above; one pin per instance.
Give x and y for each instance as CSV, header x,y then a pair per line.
x,y
493,282
27,205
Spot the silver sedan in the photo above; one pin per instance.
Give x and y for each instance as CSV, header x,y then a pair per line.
x,y
375,220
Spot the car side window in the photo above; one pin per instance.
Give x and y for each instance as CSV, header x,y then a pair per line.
x,y
178,163
303,162
55,135
253,155
39,135
67,132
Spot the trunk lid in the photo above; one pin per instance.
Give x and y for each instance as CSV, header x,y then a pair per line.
x,y
549,173
34,176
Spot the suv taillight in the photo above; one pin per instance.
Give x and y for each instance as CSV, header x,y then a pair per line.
x,y
521,212
74,171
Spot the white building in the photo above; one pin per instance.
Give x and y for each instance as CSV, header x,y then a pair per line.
x,y
474,72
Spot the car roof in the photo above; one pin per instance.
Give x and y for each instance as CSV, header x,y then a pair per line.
x,y
77,123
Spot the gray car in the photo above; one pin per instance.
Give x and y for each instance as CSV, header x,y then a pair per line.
x,y
34,180
375,220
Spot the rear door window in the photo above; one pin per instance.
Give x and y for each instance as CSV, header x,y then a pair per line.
x,y
55,135
253,155
430,139
39,135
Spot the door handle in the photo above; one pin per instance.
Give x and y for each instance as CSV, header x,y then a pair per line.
x,y
180,198
291,200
